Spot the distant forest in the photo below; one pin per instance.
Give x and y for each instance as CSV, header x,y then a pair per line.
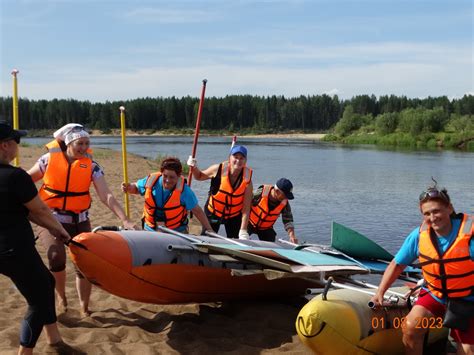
x,y
231,113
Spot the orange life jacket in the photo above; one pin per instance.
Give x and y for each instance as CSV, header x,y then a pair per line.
x,y
174,213
228,202
66,185
450,274
260,215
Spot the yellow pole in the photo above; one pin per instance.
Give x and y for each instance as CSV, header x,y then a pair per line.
x,y
16,123
124,158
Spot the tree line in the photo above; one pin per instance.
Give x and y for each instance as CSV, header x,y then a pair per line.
x,y
233,112
414,127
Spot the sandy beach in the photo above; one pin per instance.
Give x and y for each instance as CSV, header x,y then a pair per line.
x,y
120,326
130,133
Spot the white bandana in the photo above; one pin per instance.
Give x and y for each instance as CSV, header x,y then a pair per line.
x,y
61,133
70,137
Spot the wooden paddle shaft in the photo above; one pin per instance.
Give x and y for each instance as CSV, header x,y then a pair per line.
x,y
198,125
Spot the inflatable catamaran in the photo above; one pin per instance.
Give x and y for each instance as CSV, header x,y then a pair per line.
x,y
166,268
342,323
169,267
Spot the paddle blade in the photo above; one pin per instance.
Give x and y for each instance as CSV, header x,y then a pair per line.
x,y
356,245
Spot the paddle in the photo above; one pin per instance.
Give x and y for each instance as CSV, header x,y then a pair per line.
x,y
196,131
178,234
356,245
16,122
196,240
215,235
124,158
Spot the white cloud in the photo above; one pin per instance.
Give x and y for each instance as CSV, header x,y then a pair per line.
x,y
410,79
227,51
332,92
401,68
364,52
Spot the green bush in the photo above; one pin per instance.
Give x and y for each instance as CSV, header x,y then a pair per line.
x,y
386,123
361,139
432,143
330,138
434,120
459,124
399,139
351,121
470,146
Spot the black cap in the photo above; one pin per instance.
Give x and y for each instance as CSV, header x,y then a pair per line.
x,y
6,131
286,187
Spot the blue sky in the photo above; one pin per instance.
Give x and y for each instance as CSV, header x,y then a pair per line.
x,y
115,50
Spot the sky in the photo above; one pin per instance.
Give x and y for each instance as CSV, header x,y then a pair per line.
x,y
100,50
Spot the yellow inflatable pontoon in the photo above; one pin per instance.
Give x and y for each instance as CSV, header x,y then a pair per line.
x,y
344,324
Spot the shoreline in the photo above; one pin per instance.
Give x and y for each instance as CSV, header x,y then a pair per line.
x,y
131,133
115,132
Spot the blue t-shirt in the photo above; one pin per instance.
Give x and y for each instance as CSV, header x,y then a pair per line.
x,y
188,198
409,251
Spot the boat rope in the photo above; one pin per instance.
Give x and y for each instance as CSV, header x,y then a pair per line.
x,y
77,244
409,296
326,288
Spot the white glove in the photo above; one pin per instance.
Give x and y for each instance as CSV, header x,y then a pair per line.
x,y
243,234
192,162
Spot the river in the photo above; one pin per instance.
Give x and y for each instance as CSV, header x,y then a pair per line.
x,y
372,190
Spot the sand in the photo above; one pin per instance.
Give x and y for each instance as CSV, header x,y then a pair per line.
x,y
291,135
120,326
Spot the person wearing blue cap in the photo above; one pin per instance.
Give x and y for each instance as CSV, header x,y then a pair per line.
x,y
230,194
267,205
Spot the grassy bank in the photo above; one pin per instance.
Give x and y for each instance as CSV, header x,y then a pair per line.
x,y
438,140
413,128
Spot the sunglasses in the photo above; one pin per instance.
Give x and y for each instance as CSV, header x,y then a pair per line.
x,y
433,193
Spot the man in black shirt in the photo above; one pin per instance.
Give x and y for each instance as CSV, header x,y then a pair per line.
x,y
19,259
267,204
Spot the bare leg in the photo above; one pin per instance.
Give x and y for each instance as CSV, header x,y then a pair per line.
x,y
52,333
25,351
465,349
84,288
60,278
413,336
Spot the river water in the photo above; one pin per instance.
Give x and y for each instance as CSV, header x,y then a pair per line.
x,y
372,190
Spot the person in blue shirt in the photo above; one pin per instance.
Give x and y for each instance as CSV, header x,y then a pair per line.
x,y
167,198
444,247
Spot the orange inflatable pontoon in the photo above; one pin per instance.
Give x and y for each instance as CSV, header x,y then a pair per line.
x,y
160,268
